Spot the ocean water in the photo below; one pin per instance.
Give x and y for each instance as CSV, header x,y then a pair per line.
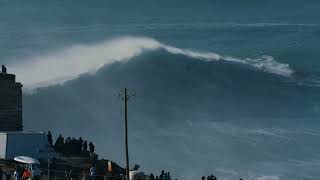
x,y
223,87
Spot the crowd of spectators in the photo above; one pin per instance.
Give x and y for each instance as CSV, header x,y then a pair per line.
x,y
70,146
163,176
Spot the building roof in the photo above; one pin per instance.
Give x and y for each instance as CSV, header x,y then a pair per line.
x,y
22,132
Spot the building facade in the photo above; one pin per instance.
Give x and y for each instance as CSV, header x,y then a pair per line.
x,y
10,103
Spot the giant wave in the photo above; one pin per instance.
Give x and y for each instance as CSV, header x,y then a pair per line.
x,y
68,63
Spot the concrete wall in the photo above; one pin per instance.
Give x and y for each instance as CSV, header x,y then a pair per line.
x,y
3,142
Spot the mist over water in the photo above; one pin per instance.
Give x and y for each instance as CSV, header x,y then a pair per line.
x,y
227,88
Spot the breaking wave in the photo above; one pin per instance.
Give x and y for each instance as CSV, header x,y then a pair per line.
x,y
67,64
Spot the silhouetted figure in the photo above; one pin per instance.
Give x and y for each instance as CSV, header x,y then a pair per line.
x,y
84,146
165,177
151,177
161,177
79,144
59,145
157,178
4,70
203,178
91,147
49,138
169,176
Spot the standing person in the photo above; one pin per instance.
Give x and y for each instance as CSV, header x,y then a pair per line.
x,y
4,70
169,176
165,176
49,138
84,146
151,177
17,173
80,142
59,144
91,147
161,177
92,172
26,174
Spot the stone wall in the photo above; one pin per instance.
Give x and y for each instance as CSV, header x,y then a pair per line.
x,y
10,103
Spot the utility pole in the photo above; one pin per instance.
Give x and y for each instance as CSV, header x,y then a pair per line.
x,y
49,151
125,99
49,161
126,130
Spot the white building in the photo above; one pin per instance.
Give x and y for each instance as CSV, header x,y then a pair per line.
x,y
23,143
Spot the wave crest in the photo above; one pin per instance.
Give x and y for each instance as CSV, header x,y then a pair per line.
x,y
67,64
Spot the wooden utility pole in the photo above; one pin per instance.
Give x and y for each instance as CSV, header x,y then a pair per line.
x,y
125,99
49,162
126,130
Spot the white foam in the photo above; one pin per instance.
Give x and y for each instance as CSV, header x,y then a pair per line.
x,y
268,178
60,66
67,64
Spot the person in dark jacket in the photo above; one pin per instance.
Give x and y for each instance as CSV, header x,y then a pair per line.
x,y
4,70
84,146
91,147
49,138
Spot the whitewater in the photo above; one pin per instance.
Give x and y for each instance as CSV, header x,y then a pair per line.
x,y
68,63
